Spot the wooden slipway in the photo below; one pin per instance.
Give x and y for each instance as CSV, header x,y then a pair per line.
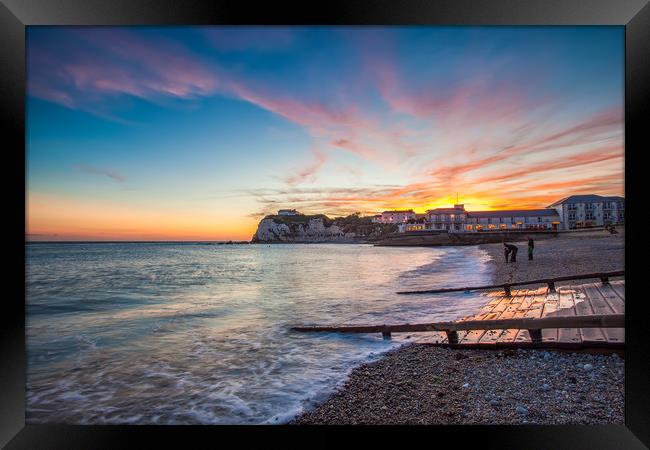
x,y
573,316
568,301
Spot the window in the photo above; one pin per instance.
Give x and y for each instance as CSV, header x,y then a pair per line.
x,y
503,226
571,207
572,216
469,227
589,216
589,206
539,220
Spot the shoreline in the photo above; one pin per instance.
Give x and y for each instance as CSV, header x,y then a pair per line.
x,y
422,384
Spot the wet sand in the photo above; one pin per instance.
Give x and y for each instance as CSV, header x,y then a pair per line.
x,y
421,384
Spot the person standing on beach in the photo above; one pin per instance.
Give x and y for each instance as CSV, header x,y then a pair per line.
x,y
513,250
531,246
506,251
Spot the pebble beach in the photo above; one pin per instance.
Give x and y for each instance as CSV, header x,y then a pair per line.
x,y
423,384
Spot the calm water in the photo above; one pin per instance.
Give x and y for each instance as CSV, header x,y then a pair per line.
x,y
195,333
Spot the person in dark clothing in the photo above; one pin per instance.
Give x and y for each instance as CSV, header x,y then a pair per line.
x,y
531,246
506,251
513,251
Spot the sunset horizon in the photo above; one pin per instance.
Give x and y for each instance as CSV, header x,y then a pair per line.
x,y
197,133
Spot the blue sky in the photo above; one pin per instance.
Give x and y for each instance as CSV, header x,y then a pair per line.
x,y
197,132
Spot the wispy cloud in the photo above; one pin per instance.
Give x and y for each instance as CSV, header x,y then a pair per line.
x,y
308,172
101,171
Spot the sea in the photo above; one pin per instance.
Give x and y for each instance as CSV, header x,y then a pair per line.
x,y
197,333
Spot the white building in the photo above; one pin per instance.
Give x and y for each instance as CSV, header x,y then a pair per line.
x,y
451,219
517,219
402,216
288,212
457,219
583,211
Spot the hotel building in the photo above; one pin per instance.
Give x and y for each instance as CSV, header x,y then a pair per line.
x,y
576,211
580,211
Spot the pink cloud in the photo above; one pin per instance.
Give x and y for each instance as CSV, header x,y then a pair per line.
x,y
308,173
103,62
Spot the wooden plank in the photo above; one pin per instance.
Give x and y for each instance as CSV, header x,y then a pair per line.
x,y
551,305
612,299
497,297
567,336
508,335
534,311
531,320
590,336
436,337
526,309
618,273
492,336
619,288
600,306
474,336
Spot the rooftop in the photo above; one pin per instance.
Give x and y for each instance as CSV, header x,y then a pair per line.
x,y
587,198
399,211
447,210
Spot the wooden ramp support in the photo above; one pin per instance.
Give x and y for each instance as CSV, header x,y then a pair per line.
x,y
550,282
534,326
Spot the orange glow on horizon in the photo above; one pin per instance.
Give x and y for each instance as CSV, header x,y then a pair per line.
x,y
56,218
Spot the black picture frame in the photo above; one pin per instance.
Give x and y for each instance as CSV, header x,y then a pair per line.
x,y
15,15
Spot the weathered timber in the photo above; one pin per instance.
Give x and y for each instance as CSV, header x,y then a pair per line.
x,y
568,336
584,322
506,287
535,335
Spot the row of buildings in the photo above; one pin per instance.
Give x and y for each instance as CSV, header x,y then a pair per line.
x,y
576,211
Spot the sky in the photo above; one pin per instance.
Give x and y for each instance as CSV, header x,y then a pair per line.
x,y
196,133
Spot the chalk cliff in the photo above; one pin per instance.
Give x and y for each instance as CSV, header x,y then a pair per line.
x,y
318,228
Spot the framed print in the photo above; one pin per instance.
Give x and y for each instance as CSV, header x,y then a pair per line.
x,y
266,219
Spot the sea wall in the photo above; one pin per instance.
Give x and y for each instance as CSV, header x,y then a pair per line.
x,y
433,238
